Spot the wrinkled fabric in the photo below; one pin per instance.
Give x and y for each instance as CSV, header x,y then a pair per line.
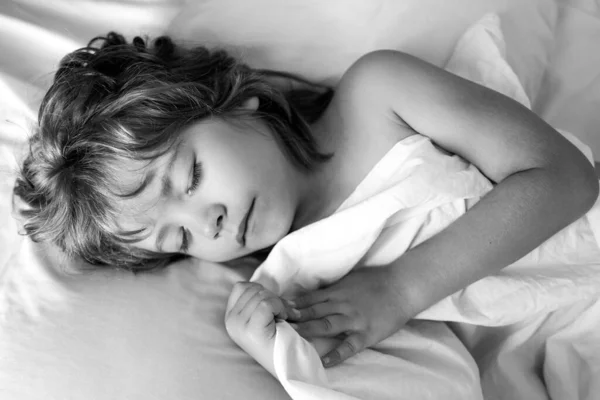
x,y
414,192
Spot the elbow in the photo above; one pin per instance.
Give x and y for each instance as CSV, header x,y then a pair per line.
x,y
592,190
581,183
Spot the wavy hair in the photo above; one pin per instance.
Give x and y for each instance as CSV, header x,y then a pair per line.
x,y
122,101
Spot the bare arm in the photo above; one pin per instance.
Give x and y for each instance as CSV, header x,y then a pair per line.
x,y
543,182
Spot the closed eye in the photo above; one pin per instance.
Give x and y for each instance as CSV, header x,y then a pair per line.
x,y
185,243
196,175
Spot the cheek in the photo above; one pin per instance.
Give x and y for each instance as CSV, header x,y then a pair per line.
x,y
274,217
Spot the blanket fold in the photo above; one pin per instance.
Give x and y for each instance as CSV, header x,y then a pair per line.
x,y
414,192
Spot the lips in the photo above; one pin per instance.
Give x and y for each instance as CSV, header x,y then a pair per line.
x,y
241,235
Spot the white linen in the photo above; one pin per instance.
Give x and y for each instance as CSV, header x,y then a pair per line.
x,y
394,202
551,356
570,88
105,335
108,335
376,228
551,44
410,195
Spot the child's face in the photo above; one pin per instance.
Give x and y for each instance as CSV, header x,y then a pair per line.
x,y
242,170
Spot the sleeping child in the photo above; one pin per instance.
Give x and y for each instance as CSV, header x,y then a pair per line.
x,y
146,153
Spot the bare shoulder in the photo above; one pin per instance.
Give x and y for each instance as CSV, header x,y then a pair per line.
x,y
492,131
403,87
361,105
368,77
360,125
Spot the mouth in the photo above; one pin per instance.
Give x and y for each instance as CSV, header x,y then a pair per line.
x,y
241,235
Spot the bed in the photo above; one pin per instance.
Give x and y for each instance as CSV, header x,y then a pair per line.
x,y
65,334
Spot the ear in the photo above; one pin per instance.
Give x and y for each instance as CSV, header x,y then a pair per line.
x,y
251,104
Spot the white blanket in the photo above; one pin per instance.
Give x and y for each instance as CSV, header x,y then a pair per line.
x,y
155,337
411,194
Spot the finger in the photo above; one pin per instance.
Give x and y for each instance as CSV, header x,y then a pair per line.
x,y
308,299
252,302
331,325
247,301
239,296
288,302
321,310
279,308
348,348
292,313
235,294
269,303
266,310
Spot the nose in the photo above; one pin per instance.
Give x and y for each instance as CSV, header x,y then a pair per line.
x,y
214,221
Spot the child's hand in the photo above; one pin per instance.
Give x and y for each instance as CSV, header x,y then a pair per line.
x,y
250,320
364,306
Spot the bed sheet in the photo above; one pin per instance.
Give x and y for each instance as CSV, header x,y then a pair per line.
x,y
552,45
543,291
36,34
569,93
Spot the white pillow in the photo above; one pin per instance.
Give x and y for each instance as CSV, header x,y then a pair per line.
x,y
321,39
480,56
110,335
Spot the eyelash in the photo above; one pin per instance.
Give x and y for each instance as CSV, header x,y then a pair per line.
x,y
196,175
184,241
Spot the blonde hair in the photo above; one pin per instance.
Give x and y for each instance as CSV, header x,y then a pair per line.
x,y
128,101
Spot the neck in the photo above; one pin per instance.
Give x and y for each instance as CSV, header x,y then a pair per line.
x,y
319,189
314,201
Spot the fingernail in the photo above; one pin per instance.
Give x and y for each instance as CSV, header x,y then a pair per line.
x,y
326,361
292,303
296,313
